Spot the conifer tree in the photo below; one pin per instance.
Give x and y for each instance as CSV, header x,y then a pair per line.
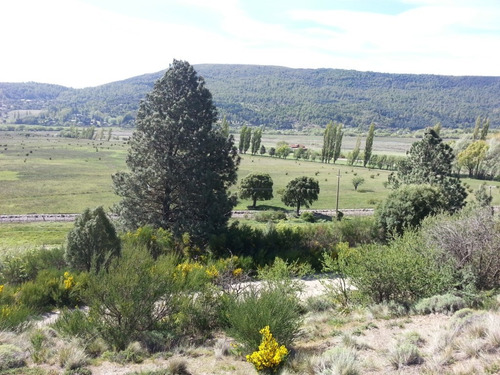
x,y
180,164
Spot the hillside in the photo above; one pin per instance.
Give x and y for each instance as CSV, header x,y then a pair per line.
x,y
278,97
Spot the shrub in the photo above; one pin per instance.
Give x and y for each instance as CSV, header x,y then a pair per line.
x,y
14,316
139,297
270,356
405,354
471,241
403,271
257,308
11,357
270,215
341,360
444,304
308,217
74,323
158,241
406,207
92,242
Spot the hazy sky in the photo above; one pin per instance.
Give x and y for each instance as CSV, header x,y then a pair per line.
x,y
83,43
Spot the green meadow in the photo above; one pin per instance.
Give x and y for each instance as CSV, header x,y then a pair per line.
x,y
42,173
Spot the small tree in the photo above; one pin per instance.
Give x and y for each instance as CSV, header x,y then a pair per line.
x,y
257,186
92,242
357,181
272,151
262,149
407,206
283,151
301,191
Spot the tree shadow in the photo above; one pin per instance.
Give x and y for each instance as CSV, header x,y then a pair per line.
x,y
365,191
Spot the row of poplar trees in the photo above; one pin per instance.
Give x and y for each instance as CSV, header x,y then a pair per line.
x,y
332,143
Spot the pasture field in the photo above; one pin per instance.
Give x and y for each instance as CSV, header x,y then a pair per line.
x,y
41,173
23,236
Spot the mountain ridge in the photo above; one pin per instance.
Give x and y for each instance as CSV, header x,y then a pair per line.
x,y
278,97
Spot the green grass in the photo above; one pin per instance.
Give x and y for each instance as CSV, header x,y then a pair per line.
x,y
45,174
284,170
41,173
22,236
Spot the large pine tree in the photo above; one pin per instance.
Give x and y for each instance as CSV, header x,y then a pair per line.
x,y
181,165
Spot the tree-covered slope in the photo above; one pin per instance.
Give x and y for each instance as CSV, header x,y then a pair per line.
x,y
281,97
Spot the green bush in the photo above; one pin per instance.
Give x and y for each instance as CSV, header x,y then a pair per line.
x,y
11,357
444,304
403,271
14,317
92,242
139,297
255,310
74,323
406,207
308,217
158,241
51,288
270,215
270,305
25,266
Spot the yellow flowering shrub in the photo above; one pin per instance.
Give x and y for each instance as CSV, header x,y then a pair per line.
x,y
1,289
270,356
69,281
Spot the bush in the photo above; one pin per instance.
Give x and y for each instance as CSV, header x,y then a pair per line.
x,y
74,323
158,241
11,357
406,207
272,302
308,217
403,271
471,241
257,308
16,269
92,242
50,289
270,215
341,360
139,297
444,304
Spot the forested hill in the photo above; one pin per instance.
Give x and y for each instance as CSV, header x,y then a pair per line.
x,y
280,97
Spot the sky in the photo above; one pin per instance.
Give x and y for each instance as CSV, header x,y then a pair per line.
x,y
82,43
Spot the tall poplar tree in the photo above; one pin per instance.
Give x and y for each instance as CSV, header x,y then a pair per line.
x,y
369,144
329,138
180,164
338,142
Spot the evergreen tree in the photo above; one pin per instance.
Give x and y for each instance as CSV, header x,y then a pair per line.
x,y
369,145
181,166
430,161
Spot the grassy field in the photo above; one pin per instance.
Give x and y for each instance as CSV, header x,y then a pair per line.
x,y
42,173
23,236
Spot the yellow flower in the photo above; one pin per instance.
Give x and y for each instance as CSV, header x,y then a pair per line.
x,y
270,355
212,272
237,272
1,288
69,281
